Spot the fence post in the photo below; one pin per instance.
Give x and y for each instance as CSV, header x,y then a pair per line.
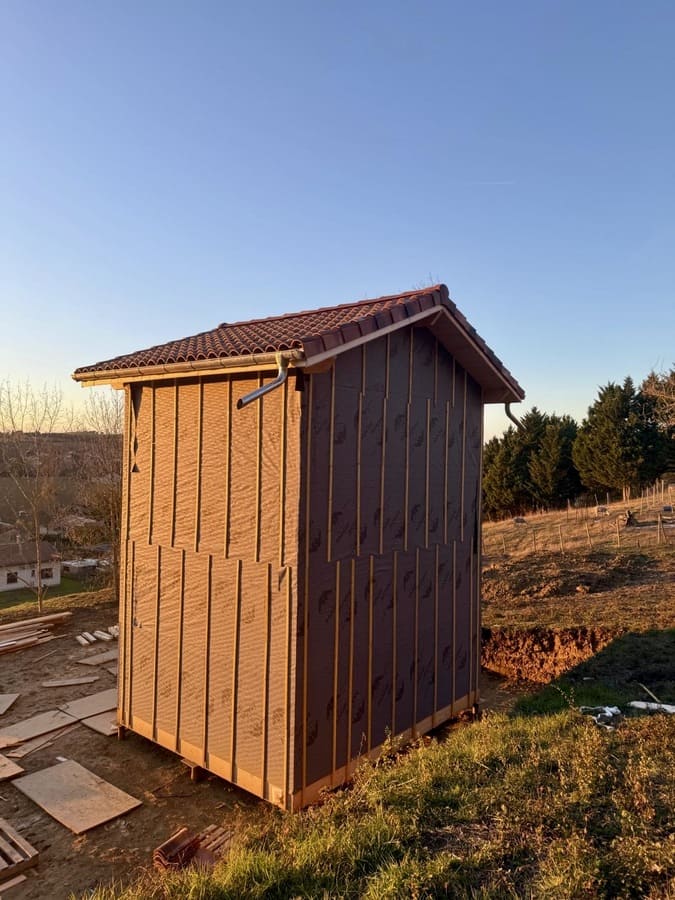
x,y
562,546
588,535
618,534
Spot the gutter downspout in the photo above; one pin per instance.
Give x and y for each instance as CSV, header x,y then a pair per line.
x,y
282,375
516,422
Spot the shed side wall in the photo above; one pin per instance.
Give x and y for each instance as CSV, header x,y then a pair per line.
x,y
210,561
388,579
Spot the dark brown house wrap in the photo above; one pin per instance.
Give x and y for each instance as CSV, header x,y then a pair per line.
x,y
301,576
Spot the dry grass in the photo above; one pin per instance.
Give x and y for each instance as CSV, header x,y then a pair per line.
x,y
631,587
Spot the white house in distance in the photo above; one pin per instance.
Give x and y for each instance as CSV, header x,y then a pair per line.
x,y
18,566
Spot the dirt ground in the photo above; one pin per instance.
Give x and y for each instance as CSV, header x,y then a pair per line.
x,y
115,851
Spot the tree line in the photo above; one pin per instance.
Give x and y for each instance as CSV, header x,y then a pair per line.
x,y
626,442
42,443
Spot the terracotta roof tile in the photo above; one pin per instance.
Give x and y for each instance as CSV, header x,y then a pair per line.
x,y
312,332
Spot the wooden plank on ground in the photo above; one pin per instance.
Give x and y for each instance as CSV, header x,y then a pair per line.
x,y
99,658
112,670
66,682
91,705
45,740
8,769
54,618
6,701
105,722
34,727
75,797
16,854
7,886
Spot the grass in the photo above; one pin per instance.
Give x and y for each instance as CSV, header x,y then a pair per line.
x,y
72,593
527,806
538,804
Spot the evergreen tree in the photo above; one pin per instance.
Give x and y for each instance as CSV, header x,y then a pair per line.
x,y
553,475
619,444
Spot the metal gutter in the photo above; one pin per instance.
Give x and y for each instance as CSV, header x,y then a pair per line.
x,y
282,362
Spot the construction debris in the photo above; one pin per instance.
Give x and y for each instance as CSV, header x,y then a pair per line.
x,y
6,701
29,632
176,852
653,707
184,847
8,769
108,656
607,717
67,682
74,796
16,854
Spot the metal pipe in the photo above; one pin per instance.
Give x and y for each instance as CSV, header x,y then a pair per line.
x,y
516,422
266,388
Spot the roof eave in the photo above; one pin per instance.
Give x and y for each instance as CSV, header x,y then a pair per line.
x,y
231,364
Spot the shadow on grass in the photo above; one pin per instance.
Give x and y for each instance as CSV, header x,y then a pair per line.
x,y
613,676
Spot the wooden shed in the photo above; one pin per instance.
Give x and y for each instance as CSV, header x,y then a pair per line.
x,y
300,568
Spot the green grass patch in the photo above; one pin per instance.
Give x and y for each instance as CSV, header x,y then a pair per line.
x,y
23,596
75,594
526,806
613,677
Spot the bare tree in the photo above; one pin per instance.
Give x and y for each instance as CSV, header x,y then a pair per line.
x,y
661,388
101,470
31,462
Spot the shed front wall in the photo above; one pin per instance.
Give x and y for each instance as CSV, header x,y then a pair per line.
x,y
208,614
388,598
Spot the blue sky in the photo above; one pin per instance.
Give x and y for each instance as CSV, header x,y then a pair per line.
x,y
167,166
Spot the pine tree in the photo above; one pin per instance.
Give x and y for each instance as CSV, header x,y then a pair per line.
x,y
619,445
553,475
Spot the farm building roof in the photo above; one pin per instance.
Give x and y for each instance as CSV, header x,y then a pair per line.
x,y
311,336
25,554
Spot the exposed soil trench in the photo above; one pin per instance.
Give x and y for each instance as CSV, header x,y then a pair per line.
x,y
540,654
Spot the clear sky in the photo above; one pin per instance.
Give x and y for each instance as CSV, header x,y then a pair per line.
x,y
167,166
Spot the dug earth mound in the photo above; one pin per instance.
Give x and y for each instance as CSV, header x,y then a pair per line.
x,y
540,654
544,614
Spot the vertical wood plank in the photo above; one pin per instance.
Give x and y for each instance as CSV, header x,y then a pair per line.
x,y
282,473
394,642
155,660
174,470
228,469
331,451
463,484
207,657
200,430
305,611
336,666
151,391
258,473
179,643
359,440
266,678
415,717
427,473
123,694
369,696
236,626
288,708
383,472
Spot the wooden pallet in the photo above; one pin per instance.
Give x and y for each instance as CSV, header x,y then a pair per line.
x,y
16,854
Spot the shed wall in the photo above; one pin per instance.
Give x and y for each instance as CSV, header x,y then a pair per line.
x,y
388,610
208,617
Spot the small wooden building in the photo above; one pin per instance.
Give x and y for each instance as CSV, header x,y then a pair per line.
x,y
300,573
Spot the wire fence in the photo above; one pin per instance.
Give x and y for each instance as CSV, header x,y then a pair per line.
x,y
646,522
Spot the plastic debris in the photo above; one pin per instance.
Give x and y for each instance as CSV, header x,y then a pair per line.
x,y
604,716
652,707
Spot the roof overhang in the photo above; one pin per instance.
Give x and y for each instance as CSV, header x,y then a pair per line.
x,y
497,384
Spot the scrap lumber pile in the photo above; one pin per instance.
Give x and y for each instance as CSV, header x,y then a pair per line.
x,y
29,632
16,854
